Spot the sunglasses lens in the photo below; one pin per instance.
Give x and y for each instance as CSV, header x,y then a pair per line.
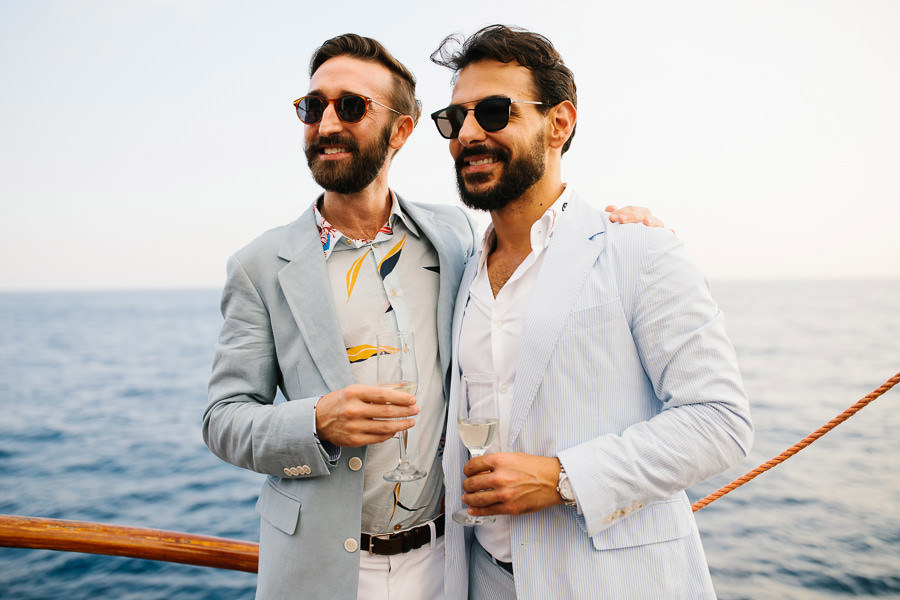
x,y
350,108
493,113
310,109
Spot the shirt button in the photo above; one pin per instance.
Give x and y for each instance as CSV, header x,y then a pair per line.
x,y
375,245
355,464
393,292
351,545
504,388
398,526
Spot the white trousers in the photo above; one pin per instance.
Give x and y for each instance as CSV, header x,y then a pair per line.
x,y
417,574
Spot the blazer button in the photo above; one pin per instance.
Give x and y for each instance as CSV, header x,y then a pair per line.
x,y
305,470
351,545
354,463
294,471
287,471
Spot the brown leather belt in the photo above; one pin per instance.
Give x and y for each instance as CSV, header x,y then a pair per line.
x,y
404,541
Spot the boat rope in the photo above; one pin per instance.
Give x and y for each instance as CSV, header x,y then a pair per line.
x,y
798,446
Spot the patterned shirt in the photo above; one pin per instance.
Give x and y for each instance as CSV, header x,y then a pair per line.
x,y
390,284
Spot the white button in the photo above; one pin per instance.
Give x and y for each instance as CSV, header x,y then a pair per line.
x,y
504,388
375,245
355,464
351,545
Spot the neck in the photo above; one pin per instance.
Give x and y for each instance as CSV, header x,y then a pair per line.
x,y
362,214
512,223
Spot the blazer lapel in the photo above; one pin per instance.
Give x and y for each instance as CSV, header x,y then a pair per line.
x,y
451,258
304,281
572,252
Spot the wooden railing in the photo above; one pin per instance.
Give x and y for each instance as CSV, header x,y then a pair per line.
x,y
135,542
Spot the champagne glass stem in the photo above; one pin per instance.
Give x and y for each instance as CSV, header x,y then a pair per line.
x,y
402,438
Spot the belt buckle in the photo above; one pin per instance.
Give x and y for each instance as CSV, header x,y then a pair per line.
x,y
384,536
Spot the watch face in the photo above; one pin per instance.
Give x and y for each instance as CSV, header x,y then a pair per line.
x,y
565,490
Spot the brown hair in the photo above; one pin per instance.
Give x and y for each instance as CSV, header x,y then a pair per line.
x,y
553,80
402,97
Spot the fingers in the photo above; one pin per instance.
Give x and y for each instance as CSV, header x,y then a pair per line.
x,y
359,415
510,483
633,214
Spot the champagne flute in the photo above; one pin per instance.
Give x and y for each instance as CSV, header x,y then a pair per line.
x,y
396,364
477,419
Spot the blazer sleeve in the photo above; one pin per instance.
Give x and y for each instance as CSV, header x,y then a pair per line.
x,y
241,423
703,426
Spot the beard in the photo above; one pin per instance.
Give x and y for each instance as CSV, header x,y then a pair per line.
x,y
350,176
517,175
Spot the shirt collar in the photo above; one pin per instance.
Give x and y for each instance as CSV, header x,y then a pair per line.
x,y
541,230
332,239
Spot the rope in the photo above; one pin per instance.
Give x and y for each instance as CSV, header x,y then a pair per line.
x,y
798,446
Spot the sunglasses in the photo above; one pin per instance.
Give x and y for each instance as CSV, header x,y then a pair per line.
x,y
350,108
492,114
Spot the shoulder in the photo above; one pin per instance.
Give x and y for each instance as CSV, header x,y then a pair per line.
x,y
446,220
444,213
272,248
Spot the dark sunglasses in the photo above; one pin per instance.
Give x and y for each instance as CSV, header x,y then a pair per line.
x,y
350,108
492,114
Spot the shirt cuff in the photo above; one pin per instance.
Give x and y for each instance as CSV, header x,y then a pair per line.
x,y
330,452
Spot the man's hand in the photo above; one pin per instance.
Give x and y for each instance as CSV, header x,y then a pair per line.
x,y
632,214
507,483
354,416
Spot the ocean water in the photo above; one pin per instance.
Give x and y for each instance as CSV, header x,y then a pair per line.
x,y
101,396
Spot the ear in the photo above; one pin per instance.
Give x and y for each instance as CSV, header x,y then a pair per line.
x,y
562,123
401,130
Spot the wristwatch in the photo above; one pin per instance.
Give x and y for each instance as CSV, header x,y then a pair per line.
x,y
564,488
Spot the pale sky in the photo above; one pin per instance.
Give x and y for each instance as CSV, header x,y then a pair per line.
x,y
144,141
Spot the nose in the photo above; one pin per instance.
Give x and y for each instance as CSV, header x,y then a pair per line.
x,y
330,122
470,132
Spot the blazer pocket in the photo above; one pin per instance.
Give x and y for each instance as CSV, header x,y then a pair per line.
x,y
278,509
660,522
588,317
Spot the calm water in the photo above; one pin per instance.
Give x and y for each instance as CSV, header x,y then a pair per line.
x,y
101,396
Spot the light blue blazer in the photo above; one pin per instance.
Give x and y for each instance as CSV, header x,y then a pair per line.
x,y
281,331
625,373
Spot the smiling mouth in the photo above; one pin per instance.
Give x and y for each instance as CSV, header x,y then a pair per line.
x,y
331,150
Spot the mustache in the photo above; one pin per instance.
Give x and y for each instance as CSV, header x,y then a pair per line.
x,y
480,150
318,144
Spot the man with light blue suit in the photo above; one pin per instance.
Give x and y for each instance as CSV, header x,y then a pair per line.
x,y
302,306
618,387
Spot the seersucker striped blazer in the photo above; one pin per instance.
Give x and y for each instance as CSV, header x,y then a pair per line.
x,y
626,374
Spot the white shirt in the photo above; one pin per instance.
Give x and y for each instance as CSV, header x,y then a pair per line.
x,y
490,336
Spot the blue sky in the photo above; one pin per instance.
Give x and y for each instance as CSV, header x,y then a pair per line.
x,y
143,141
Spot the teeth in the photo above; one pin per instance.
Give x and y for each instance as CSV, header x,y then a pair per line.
x,y
332,150
482,161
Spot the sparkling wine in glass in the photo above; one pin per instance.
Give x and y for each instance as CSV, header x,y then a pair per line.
x,y
397,370
477,420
